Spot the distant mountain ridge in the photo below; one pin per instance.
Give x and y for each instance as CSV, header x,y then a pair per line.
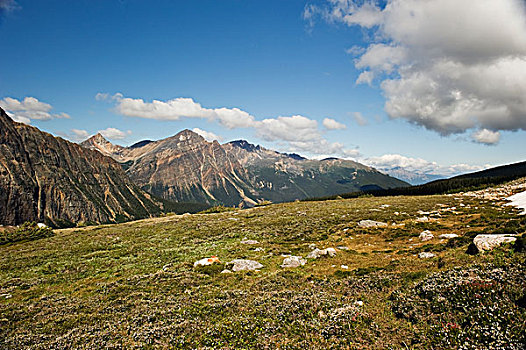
x,y
186,167
466,182
48,179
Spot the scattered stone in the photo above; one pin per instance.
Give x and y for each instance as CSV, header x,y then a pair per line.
x,y
342,247
207,261
371,224
345,267
41,225
316,253
488,242
426,255
6,296
312,246
244,265
358,302
226,271
448,236
258,249
249,241
423,219
293,261
426,236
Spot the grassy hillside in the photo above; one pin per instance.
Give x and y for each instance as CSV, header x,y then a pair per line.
x,y
133,285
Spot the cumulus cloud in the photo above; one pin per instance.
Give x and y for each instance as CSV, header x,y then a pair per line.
x,y
28,109
447,65
486,137
294,133
176,109
207,135
114,133
331,124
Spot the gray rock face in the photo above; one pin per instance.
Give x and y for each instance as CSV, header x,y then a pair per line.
x,y
293,261
43,178
244,265
316,253
426,236
371,224
488,242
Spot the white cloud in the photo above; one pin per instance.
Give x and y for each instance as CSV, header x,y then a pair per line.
x,y
447,65
30,108
176,109
296,128
360,119
331,124
207,135
114,133
294,133
486,137
365,77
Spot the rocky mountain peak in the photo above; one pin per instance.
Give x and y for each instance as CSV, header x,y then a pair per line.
x,y
247,146
99,143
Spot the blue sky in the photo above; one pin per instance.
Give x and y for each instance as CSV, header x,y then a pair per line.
x,y
267,59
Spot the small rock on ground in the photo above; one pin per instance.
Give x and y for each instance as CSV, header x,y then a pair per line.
x,y
244,265
371,224
316,253
448,236
249,241
426,255
426,236
293,261
207,261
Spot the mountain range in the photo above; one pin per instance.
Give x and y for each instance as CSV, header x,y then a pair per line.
x,y
186,167
48,179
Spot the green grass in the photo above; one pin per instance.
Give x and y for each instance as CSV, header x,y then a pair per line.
x,y
133,285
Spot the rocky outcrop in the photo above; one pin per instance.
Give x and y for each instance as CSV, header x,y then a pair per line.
x,y
47,179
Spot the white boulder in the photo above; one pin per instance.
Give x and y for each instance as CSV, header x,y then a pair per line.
x,y
244,265
316,253
293,261
426,255
488,242
371,224
426,236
